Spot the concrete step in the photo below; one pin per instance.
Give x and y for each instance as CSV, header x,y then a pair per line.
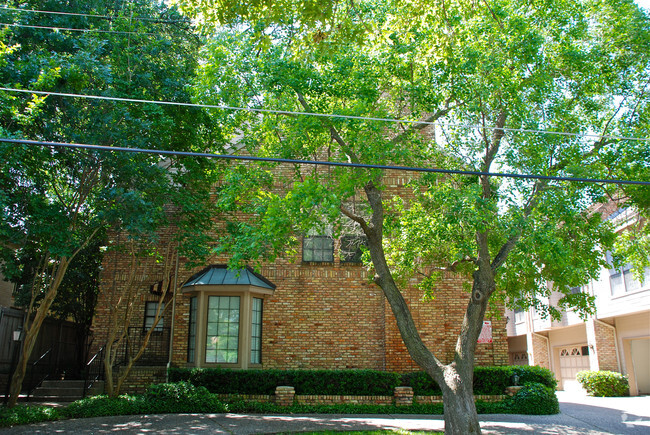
x,y
65,390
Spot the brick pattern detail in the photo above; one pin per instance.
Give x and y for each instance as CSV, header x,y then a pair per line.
x,y
439,321
605,347
140,378
403,396
336,399
539,350
284,396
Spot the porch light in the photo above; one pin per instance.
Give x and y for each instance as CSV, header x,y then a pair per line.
x,y
18,334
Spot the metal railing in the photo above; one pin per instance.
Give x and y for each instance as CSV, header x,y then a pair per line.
x,y
94,370
43,375
156,352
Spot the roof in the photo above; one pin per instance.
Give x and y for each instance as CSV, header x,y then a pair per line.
x,y
219,274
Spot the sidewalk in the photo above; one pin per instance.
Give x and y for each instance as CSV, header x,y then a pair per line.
x,y
579,415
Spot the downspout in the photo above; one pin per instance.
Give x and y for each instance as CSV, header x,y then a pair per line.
x,y
171,331
613,328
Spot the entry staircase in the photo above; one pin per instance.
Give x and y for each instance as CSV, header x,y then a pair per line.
x,y
64,390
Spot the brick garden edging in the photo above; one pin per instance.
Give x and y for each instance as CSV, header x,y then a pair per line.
x,y
403,396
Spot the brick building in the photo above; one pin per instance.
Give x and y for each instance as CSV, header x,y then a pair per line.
x,y
319,310
617,338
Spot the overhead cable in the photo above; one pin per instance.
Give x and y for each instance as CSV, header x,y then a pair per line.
x,y
328,115
76,30
320,162
105,17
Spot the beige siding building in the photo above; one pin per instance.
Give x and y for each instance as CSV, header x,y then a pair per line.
x,y
617,338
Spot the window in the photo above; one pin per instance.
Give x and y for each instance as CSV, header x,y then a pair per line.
x,y
623,281
150,309
256,332
226,317
351,248
319,249
519,315
191,342
222,338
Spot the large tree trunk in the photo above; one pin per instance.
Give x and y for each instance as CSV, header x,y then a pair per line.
x,y
458,399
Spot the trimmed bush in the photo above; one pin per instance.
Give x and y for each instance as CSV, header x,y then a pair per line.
x,y
604,383
181,397
100,406
534,399
329,382
487,380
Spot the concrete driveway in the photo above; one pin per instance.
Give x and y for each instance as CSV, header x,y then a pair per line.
x,y
579,415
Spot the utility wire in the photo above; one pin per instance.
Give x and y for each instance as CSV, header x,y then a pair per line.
x,y
77,30
105,17
327,115
320,162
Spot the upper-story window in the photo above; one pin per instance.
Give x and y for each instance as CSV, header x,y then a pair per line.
x,y
319,249
351,251
622,280
519,315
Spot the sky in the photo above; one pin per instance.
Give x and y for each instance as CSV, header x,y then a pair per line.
x,y
644,4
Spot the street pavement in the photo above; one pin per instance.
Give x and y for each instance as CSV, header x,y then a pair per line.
x,y
579,414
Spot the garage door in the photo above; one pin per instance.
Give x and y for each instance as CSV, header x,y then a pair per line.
x,y
573,359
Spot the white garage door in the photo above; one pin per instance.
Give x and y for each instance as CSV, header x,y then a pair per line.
x,y
573,359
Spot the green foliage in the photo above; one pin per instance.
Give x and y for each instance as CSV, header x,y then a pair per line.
x,y
534,399
328,382
26,414
181,397
604,383
487,380
99,406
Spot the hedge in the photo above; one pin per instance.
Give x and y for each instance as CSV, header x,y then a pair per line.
x,y
487,380
604,383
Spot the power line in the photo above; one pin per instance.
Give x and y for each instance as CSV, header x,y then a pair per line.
x,y
327,115
321,162
76,30
105,17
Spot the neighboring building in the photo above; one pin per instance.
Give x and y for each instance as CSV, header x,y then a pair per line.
x,y
319,311
617,338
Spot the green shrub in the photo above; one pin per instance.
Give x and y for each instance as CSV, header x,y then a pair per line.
x,y
603,383
25,414
181,396
99,406
328,382
422,384
534,398
487,380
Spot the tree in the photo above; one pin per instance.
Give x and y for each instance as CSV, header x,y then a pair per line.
x,y
56,201
477,69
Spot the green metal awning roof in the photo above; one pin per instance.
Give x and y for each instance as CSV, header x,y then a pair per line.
x,y
219,274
